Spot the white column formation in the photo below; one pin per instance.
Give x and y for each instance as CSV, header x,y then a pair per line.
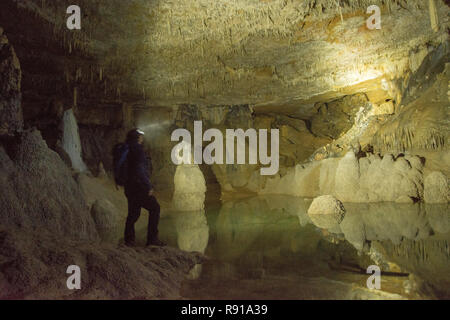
x,y
190,188
71,141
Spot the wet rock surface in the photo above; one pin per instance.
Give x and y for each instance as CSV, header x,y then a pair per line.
x,y
436,188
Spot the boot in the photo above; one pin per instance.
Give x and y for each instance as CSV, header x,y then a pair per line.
x,y
130,243
157,243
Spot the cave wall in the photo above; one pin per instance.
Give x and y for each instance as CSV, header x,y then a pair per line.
x,y
305,67
11,117
60,72
39,193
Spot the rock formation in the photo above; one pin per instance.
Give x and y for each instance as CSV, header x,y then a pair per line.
x,y
190,187
369,179
11,119
436,188
106,218
71,141
326,212
40,193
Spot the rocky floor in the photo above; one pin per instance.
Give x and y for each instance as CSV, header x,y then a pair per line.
x,y
33,266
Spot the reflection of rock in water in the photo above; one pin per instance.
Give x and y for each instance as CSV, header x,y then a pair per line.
x,y
414,236
251,232
384,221
235,227
436,188
192,230
192,235
429,259
256,234
291,205
439,217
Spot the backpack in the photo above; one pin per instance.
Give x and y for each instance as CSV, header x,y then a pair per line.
x,y
120,157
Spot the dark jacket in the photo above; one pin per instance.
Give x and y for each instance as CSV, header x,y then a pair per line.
x,y
138,180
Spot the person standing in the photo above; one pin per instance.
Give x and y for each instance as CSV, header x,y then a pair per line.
x,y
139,191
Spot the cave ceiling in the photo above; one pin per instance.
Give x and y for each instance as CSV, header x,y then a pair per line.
x,y
270,54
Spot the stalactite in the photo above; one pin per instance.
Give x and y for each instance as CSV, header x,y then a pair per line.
x,y
405,139
340,10
78,74
434,17
75,96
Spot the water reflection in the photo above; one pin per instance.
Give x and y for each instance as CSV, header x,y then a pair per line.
x,y
192,233
386,221
192,230
261,239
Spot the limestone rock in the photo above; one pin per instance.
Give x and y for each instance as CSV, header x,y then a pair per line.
x,y
369,179
404,199
326,211
71,141
11,119
385,108
388,179
106,218
301,63
347,177
337,117
190,188
40,192
36,263
328,169
436,189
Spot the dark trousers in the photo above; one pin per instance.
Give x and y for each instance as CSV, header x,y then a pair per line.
x,y
135,204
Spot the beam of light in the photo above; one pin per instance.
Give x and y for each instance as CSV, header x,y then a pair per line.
x,y
157,126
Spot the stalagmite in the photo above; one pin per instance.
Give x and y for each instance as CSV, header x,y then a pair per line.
x,y
71,141
190,187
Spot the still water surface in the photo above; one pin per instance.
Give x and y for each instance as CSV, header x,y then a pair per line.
x,y
269,248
